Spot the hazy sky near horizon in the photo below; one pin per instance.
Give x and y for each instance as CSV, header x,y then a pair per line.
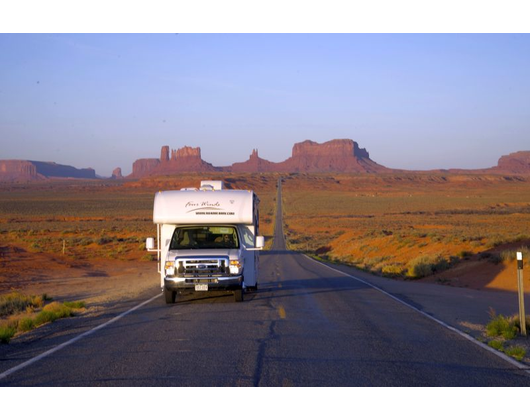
x,y
413,101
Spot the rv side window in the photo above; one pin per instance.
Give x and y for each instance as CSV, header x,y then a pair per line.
x,y
204,237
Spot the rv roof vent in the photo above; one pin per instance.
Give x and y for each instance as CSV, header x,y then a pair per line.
x,y
212,185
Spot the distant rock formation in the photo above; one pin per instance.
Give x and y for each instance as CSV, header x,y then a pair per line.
x,y
342,155
116,174
56,170
21,170
253,164
514,163
164,154
144,167
339,155
28,170
186,159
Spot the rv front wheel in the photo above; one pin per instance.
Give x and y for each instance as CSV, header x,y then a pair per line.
x,y
170,296
238,295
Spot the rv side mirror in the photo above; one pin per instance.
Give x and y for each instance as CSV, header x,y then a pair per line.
x,y
150,243
260,242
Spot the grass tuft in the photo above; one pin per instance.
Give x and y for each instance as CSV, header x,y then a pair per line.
x,y
504,329
426,265
49,313
517,352
501,326
16,302
6,333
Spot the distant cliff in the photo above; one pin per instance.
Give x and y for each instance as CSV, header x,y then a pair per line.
x,y
56,170
517,163
514,163
29,170
11,170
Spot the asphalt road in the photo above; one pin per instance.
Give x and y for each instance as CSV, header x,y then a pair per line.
x,y
307,325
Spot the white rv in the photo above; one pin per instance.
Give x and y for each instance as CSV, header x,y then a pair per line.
x,y
207,239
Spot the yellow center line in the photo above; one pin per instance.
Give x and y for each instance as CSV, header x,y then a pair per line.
x,y
281,312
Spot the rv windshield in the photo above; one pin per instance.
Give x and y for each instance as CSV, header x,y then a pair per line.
x,y
204,237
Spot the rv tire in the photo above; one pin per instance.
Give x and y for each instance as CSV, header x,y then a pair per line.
x,y
170,296
238,295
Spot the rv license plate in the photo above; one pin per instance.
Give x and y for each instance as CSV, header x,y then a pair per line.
x,y
201,287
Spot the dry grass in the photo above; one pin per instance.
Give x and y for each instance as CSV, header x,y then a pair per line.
x,y
15,302
505,331
397,225
23,313
75,221
97,219
406,225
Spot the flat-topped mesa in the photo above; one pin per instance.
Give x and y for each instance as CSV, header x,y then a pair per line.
x,y
339,155
20,170
337,147
27,170
514,163
56,170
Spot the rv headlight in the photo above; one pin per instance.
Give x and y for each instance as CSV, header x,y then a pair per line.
x,y
170,268
235,266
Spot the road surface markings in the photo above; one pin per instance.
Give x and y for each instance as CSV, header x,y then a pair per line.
x,y
503,356
281,312
73,340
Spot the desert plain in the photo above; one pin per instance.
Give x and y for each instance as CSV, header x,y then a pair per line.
x,y
452,229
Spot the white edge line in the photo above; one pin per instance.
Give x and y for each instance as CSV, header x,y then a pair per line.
x,y
503,356
29,362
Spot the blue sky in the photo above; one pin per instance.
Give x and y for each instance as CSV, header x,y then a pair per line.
x,y
413,101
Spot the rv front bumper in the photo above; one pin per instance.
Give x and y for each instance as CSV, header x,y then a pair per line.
x,y
214,283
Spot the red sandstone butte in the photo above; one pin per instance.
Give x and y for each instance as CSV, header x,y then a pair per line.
x,y
29,170
116,174
514,163
253,164
20,170
339,155
186,159
144,167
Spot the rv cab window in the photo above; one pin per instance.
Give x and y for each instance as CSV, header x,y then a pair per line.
x,y
204,237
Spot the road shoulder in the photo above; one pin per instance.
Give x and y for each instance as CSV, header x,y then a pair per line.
x,y
465,311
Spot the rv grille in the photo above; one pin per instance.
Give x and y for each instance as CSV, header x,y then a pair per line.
x,y
207,267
